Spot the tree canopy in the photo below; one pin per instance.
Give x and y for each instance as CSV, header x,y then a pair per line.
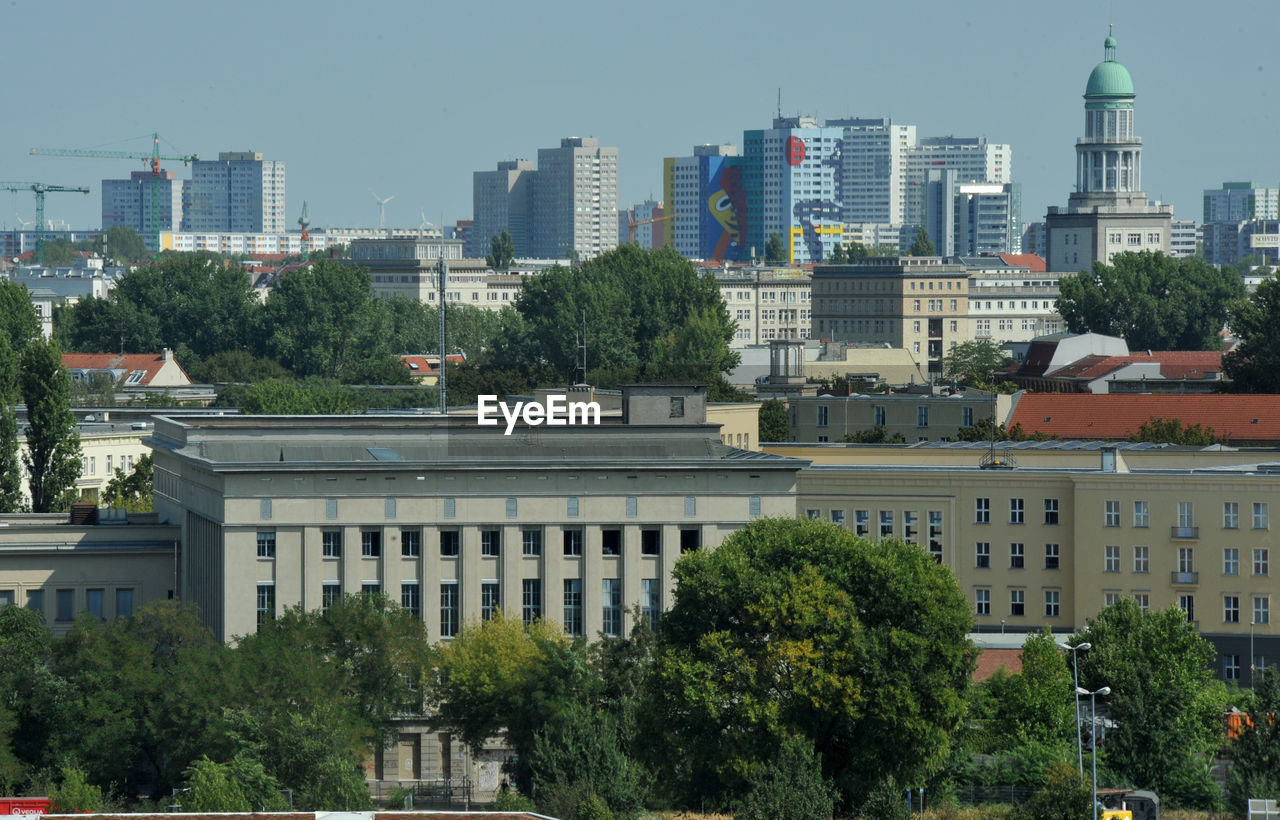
x,y
975,362
502,251
52,457
1152,301
922,245
1253,365
774,422
775,252
799,628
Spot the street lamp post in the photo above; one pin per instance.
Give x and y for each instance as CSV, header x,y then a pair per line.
x,y
1075,671
1093,722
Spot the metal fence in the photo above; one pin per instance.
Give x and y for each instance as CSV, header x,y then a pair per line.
x,y
424,794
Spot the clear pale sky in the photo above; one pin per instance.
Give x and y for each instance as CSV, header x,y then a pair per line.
x,y
409,98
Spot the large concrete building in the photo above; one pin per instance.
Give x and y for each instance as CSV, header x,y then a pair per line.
x,y
239,192
705,198
876,155
1108,213
1239,201
141,201
575,200
502,200
792,172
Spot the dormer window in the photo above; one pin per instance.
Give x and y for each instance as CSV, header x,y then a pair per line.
x,y
136,377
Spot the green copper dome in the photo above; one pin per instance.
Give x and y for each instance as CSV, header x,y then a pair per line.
x,y
1109,78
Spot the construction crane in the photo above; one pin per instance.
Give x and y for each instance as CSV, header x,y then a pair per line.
x,y
40,189
152,160
633,223
303,222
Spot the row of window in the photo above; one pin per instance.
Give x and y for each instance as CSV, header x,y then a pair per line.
x,y
1141,513
531,539
490,596
880,416
910,526
512,507
1231,666
1018,602
1141,559
65,603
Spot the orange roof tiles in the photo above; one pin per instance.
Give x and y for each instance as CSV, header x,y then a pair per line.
x,y
989,660
127,363
1024,260
1240,418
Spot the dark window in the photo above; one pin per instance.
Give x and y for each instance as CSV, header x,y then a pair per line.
x,y
531,599
266,545
491,543
573,546
651,542
531,541
611,542
370,543
410,543
331,543
411,598
449,543
690,539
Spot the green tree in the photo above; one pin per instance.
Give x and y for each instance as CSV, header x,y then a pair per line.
x,y
502,251
210,787
59,253
1164,700
874,435
18,320
800,628
287,397
124,245
1255,766
975,362
325,321
10,464
52,457
1171,431
230,366
504,674
1253,365
1152,301
857,251
922,245
1064,796
74,795
12,771
132,491
790,787
775,253
577,756
774,421
1031,706
839,256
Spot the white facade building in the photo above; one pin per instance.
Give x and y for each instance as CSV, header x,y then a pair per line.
x,y
874,162
575,199
239,192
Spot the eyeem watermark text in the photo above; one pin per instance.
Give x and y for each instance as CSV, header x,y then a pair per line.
x,y
557,412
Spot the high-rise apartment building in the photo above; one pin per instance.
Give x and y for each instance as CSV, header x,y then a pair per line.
x,y
237,192
874,169
575,199
706,204
972,158
1108,213
792,175
1238,201
502,200
129,203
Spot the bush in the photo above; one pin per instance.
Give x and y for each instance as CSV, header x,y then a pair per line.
x,y
791,788
886,801
74,795
509,799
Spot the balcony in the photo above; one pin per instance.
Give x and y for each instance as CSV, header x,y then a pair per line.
x,y
1185,533
1184,578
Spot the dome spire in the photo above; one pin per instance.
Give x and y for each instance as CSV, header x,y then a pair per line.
x,y
1109,46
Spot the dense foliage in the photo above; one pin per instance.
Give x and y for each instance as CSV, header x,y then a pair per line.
x,y
1253,365
1152,301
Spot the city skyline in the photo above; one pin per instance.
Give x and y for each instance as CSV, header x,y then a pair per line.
x,y
399,101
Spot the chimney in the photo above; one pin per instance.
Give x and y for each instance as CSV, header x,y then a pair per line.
x,y
166,354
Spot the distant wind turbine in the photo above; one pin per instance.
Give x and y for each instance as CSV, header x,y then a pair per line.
x,y
382,209
22,223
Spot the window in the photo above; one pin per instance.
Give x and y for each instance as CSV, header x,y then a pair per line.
x,y
370,588
1051,603
1230,561
1231,667
878,410
448,609
1111,558
982,598
489,600
1050,556
389,508
330,592
753,506
573,545
370,543
1111,514
822,415
1230,609
922,415
573,606
1186,559
331,543
910,526
1110,598
1016,511
1262,610
1187,603
531,599
1261,561
65,601
1260,516
571,508
1017,556
331,509
451,508
633,506
1186,515
264,508
1230,515
813,515
448,543
935,534
966,416
611,598
267,544
982,555
1141,559
124,601
886,523
862,522
982,511
1017,602
611,542
650,601
92,602
266,602
651,542
1141,514
691,501
531,541
1143,600
491,543
411,598
1051,511
837,517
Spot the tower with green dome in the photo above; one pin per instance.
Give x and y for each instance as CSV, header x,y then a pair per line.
x,y
1108,211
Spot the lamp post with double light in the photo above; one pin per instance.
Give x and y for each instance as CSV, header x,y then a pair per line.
x,y
1093,723
1075,672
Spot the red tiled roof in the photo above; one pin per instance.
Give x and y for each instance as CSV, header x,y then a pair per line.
x,y
1174,364
992,659
426,365
1238,418
1024,260
128,362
